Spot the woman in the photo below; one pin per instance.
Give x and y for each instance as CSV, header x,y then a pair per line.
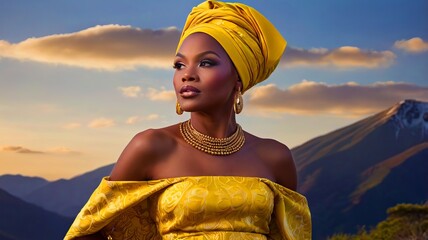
x,y
205,178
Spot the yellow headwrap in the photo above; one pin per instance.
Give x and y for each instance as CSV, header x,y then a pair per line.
x,y
253,44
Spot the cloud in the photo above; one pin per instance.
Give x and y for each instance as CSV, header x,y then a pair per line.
x,y
344,58
101,123
131,91
152,94
63,150
117,47
105,47
19,149
344,100
135,119
132,120
152,117
413,45
160,95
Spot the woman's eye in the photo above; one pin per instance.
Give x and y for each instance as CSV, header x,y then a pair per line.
x,y
178,65
206,63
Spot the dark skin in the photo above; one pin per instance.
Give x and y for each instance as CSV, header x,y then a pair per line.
x,y
162,153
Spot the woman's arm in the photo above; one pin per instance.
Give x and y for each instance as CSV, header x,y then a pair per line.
x,y
280,160
137,158
285,169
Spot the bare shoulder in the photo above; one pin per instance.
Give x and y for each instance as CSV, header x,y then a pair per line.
x,y
142,152
279,159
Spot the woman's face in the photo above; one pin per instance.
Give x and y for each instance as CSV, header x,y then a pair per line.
x,y
205,79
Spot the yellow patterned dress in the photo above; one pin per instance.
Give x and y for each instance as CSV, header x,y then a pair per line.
x,y
193,208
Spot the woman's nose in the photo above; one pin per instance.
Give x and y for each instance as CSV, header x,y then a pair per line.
x,y
190,75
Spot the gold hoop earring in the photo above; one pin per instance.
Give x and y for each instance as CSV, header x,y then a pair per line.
x,y
239,102
178,109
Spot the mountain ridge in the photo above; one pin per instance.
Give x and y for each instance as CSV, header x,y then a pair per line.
x,y
70,196
355,131
19,185
335,182
21,220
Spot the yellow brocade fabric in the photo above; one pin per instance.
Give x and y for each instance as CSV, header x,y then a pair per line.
x,y
193,208
251,41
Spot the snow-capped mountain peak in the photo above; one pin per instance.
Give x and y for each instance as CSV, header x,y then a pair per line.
x,y
410,115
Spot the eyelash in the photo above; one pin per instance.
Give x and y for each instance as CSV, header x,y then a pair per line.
x,y
209,62
179,65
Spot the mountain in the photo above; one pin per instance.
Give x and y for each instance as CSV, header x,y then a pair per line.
x,y
20,220
70,195
352,175
19,185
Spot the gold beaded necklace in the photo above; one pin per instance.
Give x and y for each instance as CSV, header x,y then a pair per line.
x,y
211,145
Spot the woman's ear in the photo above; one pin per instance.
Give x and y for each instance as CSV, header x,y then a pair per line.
x,y
238,85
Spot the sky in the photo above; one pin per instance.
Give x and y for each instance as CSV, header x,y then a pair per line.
x,y
78,79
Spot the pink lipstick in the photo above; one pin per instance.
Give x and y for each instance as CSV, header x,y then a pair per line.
x,y
189,91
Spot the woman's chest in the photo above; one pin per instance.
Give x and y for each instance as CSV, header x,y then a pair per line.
x,y
198,164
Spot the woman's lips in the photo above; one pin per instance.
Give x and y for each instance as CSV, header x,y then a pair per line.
x,y
189,91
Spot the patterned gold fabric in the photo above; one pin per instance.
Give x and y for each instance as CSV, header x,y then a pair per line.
x,y
193,208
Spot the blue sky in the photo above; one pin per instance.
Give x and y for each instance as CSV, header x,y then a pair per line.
x,y
79,78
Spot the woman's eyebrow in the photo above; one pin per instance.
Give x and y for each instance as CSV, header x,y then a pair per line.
x,y
199,54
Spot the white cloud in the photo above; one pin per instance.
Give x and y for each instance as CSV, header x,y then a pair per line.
x,y
63,150
131,91
132,120
152,117
117,47
101,123
346,100
160,95
343,57
413,45
135,119
152,94
106,47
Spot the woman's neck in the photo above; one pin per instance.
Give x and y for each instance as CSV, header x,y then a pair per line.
x,y
219,126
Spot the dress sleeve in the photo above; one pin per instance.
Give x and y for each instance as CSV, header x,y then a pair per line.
x,y
109,201
291,218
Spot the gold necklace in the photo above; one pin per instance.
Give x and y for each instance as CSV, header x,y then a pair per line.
x,y
211,145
